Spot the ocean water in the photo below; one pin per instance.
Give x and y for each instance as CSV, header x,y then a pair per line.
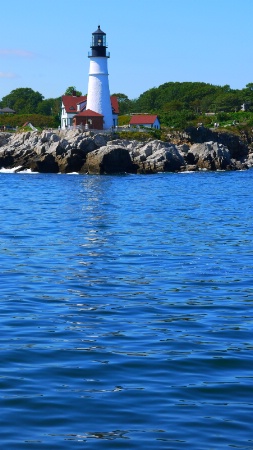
x,y
126,311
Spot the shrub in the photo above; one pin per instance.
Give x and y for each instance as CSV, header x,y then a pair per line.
x,y
37,120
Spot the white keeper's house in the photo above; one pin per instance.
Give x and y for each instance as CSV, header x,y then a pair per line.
x,y
96,110
74,112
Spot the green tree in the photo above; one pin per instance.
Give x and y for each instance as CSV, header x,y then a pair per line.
x,y
177,119
196,105
230,101
147,102
45,108
248,95
226,88
173,105
22,100
50,106
125,105
249,86
71,89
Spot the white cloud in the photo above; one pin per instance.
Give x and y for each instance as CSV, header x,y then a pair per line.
x,y
16,52
7,75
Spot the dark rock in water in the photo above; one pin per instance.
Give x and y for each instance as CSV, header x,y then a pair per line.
x,y
72,161
109,160
45,164
6,160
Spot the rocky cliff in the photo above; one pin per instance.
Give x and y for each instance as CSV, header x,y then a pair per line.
x,y
75,151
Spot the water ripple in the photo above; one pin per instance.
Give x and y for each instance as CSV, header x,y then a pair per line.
x,y
126,311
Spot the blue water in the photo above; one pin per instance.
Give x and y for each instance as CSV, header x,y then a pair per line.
x,y
126,311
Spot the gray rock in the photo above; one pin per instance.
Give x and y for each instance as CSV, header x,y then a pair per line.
x,y
250,160
44,164
54,138
108,160
4,138
157,156
183,148
235,144
210,156
82,152
45,136
87,145
100,140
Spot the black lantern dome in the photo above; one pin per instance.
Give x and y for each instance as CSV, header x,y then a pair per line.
x,y
98,44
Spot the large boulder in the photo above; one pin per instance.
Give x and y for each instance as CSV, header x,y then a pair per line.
x,y
17,150
210,156
100,140
249,161
6,160
157,156
71,161
69,150
46,136
235,144
44,164
4,138
108,160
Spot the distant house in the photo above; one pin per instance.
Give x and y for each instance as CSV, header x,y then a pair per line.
x,y
7,111
73,112
145,120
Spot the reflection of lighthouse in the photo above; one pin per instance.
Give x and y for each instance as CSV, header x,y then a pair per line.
x,y
98,98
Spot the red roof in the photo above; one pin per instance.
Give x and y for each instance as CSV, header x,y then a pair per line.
x,y
70,103
88,113
143,119
115,105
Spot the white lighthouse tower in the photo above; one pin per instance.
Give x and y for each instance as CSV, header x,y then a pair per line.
x,y
98,98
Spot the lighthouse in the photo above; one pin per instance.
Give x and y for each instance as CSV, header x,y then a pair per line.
x,y
98,98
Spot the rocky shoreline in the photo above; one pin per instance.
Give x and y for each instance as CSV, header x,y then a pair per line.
x,y
87,153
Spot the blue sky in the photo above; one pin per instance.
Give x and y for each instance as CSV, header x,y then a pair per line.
x,y
44,44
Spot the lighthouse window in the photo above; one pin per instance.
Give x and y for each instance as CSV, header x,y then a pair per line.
x,y
99,40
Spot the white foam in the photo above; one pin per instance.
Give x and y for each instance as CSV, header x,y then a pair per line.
x,y
16,170
67,173
13,170
188,171
27,171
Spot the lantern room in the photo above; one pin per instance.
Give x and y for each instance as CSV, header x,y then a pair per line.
x,y
98,44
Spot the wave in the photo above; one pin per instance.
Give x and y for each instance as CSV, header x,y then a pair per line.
x,y
16,170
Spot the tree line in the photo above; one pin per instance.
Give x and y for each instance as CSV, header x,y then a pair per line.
x,y
174,102
179,105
